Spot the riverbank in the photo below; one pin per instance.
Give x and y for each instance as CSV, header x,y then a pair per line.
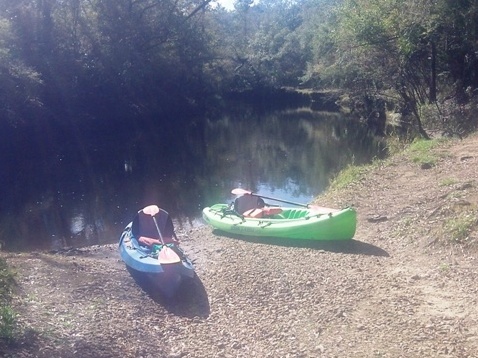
x,y
401,288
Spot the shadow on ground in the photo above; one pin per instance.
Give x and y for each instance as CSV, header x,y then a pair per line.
x,y
340,246
190,300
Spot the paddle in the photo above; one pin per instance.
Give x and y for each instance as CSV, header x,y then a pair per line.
x,y
166,255
239,191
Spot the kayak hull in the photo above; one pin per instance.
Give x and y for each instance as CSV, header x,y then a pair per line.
x,y
167,277
306,224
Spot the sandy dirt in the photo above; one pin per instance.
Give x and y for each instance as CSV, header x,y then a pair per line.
x,y
403,287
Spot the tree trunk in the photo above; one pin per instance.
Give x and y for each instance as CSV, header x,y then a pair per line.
x,y
433,82
410,99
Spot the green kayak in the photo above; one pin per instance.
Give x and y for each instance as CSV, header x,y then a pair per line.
x,y
314,223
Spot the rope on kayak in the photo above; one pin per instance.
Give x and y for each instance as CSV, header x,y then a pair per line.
x,y
318,215
228,211
157,248
223,212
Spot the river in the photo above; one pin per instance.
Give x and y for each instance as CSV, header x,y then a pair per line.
x,y
80,187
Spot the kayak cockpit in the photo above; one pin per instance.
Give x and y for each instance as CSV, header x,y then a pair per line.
x,y
295,213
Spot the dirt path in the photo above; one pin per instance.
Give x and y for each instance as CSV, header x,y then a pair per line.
x,y
399,289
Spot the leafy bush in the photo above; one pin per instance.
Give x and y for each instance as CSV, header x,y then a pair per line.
x,y
7,281
459,228
7,315
7,323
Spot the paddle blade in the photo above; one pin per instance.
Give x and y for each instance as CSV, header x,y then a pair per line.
x,y
151,210
239,191
168,256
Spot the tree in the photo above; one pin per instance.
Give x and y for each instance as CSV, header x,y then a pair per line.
x,y
19,83
397,51
133,56
376,49
258,46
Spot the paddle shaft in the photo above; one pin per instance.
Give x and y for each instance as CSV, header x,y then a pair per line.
x,y
159,231
282,201
239,191
167,255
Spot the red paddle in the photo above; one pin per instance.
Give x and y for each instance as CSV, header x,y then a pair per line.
x,y
166,255
319,209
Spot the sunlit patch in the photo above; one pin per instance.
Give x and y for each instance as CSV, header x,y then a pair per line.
x,y
77,224
128,168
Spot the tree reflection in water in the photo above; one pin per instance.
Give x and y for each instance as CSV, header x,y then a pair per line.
x,y
84,191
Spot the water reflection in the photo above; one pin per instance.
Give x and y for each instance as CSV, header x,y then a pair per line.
x,y
85,189
290,154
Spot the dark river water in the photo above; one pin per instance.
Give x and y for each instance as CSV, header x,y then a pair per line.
x,y
78,187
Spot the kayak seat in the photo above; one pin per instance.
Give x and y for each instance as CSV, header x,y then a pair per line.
x,y
266,211
247,202
254,213
295,213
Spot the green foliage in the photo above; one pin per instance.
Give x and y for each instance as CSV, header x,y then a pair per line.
x,y
7,281
7,323
19,84
459,227
350,174
448,182
149,56
449,117
7,315
127,55
390,49
260,46
421,151
423,146
395,144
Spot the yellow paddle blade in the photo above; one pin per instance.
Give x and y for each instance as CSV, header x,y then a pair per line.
x,y
168,256
151,210
239,191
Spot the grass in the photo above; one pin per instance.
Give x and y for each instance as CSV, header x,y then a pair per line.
x,y
445,267
458,228
448,182
7,315
351,174
402,229
420,151
396,145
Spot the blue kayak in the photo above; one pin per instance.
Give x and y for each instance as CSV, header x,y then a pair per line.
x,y
149,245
